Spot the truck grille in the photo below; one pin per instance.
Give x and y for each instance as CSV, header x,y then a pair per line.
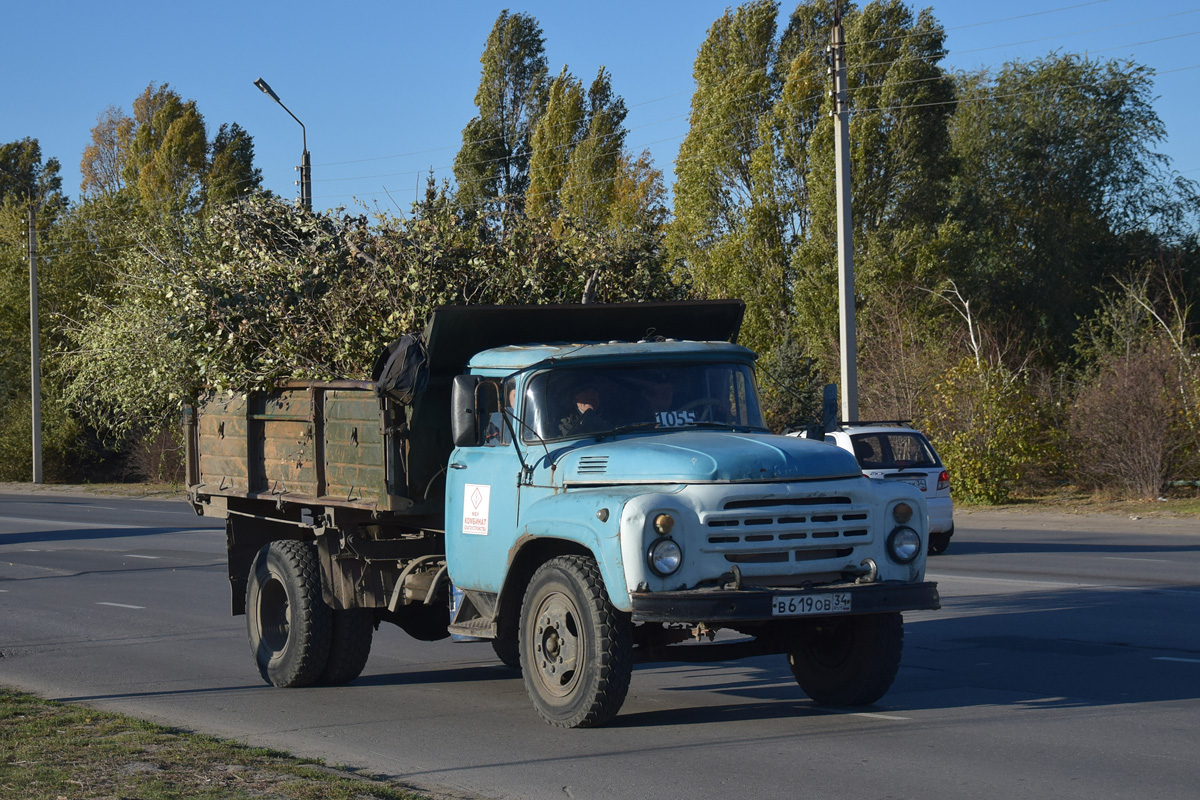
x,y
786,529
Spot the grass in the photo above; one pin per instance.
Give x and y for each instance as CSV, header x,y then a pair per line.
x,y
1181,503
56,751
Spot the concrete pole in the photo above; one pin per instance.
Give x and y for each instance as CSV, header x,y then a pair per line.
x,y
35,358
841,123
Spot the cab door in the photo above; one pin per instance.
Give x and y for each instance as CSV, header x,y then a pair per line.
x,y
482,498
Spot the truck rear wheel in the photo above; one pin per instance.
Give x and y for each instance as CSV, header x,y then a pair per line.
x,y
850,661
349,645
576,648
287,621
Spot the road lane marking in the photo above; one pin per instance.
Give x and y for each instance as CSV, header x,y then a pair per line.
x,y
875,715
1181,660
1127,558
119,605
135,555
1020,581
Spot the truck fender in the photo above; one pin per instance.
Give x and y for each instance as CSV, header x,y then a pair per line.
x,y
544,540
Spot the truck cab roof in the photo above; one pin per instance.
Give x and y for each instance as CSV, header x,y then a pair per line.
x,y
512,358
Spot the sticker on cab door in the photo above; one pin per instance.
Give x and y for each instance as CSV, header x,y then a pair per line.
x,y
477,498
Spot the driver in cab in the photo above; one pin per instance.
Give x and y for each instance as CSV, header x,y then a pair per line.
x,y
585,414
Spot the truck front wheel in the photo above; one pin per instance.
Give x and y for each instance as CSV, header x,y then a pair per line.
x,y
287,621
850,661
576,648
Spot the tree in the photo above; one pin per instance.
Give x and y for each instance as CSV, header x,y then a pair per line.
x,y
231,172
161,160
24,179
901,102
493,162
588,191
554,138
1058,180
729,226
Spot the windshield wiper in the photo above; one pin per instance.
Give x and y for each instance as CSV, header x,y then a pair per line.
x,y
646,426
633,426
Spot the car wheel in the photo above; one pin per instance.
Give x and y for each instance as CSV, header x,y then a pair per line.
x,y
938,542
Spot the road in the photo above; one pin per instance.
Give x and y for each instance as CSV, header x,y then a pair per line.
x,y
1064,663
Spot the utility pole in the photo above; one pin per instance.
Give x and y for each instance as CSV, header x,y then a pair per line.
x,y
841,124
35,357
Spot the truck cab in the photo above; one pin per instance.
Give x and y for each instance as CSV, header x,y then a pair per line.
x,y
651,461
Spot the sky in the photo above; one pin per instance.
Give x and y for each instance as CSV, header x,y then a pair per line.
x,y
384,89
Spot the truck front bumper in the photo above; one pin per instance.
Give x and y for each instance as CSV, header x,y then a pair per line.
x,y
717,606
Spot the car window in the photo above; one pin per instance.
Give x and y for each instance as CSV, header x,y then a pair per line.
x,y
899,450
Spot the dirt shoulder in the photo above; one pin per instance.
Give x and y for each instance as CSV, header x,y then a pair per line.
x,y
141,491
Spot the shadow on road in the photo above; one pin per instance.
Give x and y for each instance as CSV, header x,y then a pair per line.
x,y
90,534
1055,649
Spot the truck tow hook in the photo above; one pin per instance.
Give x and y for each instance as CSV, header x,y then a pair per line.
x,y
733,580
866,572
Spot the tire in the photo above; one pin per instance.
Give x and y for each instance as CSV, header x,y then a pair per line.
x,y
576,648
508,650
850,662
349,645
938,542
287,622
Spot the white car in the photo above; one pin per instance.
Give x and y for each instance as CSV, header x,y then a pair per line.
x,y
894,451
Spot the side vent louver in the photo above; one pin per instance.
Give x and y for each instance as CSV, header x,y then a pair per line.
x,y
593,465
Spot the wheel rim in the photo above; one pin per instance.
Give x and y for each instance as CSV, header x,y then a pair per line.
x,y
558,645
274,615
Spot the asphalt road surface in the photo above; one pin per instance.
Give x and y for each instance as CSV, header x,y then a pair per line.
x,y
1065,663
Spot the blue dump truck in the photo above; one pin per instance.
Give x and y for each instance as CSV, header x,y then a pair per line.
x,y
587,487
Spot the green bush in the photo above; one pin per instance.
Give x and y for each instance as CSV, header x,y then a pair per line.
x,y
986,424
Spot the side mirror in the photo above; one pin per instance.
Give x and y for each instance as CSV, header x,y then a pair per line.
x,y
464,425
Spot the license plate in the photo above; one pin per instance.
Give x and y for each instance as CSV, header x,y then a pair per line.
x,y
917,482
800,605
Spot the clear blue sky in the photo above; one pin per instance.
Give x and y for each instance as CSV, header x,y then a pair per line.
x,y
386,88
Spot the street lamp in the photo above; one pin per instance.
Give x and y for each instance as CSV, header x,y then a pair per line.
x,y
305,163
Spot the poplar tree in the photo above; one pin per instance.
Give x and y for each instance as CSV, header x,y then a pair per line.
x,y
728,227
160,159
493,164
589,190
554,138
901,103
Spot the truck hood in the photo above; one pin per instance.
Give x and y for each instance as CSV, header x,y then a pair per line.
x,y
704,456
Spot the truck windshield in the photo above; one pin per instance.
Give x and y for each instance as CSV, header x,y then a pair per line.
x,y
594,401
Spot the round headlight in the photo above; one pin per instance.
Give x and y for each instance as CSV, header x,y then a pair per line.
x,y
902,513
664,557
664,524
903,544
